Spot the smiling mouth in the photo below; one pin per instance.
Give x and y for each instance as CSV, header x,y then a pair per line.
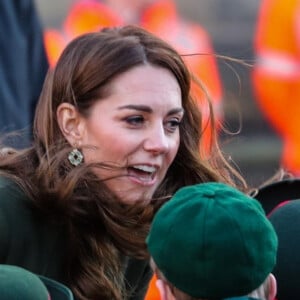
x,y
142,173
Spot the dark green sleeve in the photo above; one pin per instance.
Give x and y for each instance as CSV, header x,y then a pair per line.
x,y
6,220
27,239
4,233
143,284
138,274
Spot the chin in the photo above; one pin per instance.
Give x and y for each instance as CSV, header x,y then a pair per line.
x,y
134,198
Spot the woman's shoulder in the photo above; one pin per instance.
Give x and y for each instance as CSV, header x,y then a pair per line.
x,y
10,191
6,182
25,237
13,213
14,203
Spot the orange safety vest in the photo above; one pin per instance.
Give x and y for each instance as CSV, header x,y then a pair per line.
x,y
276,73
162,19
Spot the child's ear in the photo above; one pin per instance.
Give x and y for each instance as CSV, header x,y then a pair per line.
x,y
272,287
161,286
164,290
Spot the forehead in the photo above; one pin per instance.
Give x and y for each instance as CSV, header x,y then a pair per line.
x,y
146,85
145,78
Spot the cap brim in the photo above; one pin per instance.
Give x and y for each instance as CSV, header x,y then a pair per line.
x,y
275,193
57,290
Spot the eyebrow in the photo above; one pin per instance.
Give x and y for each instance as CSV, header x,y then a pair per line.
x,y
148,109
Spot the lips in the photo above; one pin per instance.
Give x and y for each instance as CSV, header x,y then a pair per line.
x,y
142,173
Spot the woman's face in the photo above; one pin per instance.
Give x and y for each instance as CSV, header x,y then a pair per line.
x,y
136,127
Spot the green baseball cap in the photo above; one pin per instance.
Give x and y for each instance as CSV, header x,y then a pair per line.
x,y
213,241
17,283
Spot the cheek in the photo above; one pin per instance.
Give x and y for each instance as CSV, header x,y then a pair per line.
x,y
110,148
102,153
174,149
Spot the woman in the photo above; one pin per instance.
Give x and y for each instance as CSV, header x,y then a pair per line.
x,y
116,133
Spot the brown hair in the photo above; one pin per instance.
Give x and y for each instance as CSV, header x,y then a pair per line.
x,y
99,227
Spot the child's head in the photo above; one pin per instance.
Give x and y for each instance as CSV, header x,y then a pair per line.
x,y
286,221
18,283
212,241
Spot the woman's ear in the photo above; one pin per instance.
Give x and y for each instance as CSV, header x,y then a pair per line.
x,y
70,122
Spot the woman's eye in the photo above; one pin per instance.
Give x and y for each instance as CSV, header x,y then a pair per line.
x,y
135,120
173,124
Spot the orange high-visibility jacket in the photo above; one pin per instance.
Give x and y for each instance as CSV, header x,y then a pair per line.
x,y
162,19
276,73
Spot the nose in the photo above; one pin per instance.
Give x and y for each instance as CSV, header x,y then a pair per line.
x,y
157,141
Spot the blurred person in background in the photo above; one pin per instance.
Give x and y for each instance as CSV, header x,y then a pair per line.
x,y
23,65
276,74
161,18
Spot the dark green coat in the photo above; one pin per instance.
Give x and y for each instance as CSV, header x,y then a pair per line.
x,y
29,241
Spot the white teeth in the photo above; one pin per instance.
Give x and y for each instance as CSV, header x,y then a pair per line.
x,y
145,168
